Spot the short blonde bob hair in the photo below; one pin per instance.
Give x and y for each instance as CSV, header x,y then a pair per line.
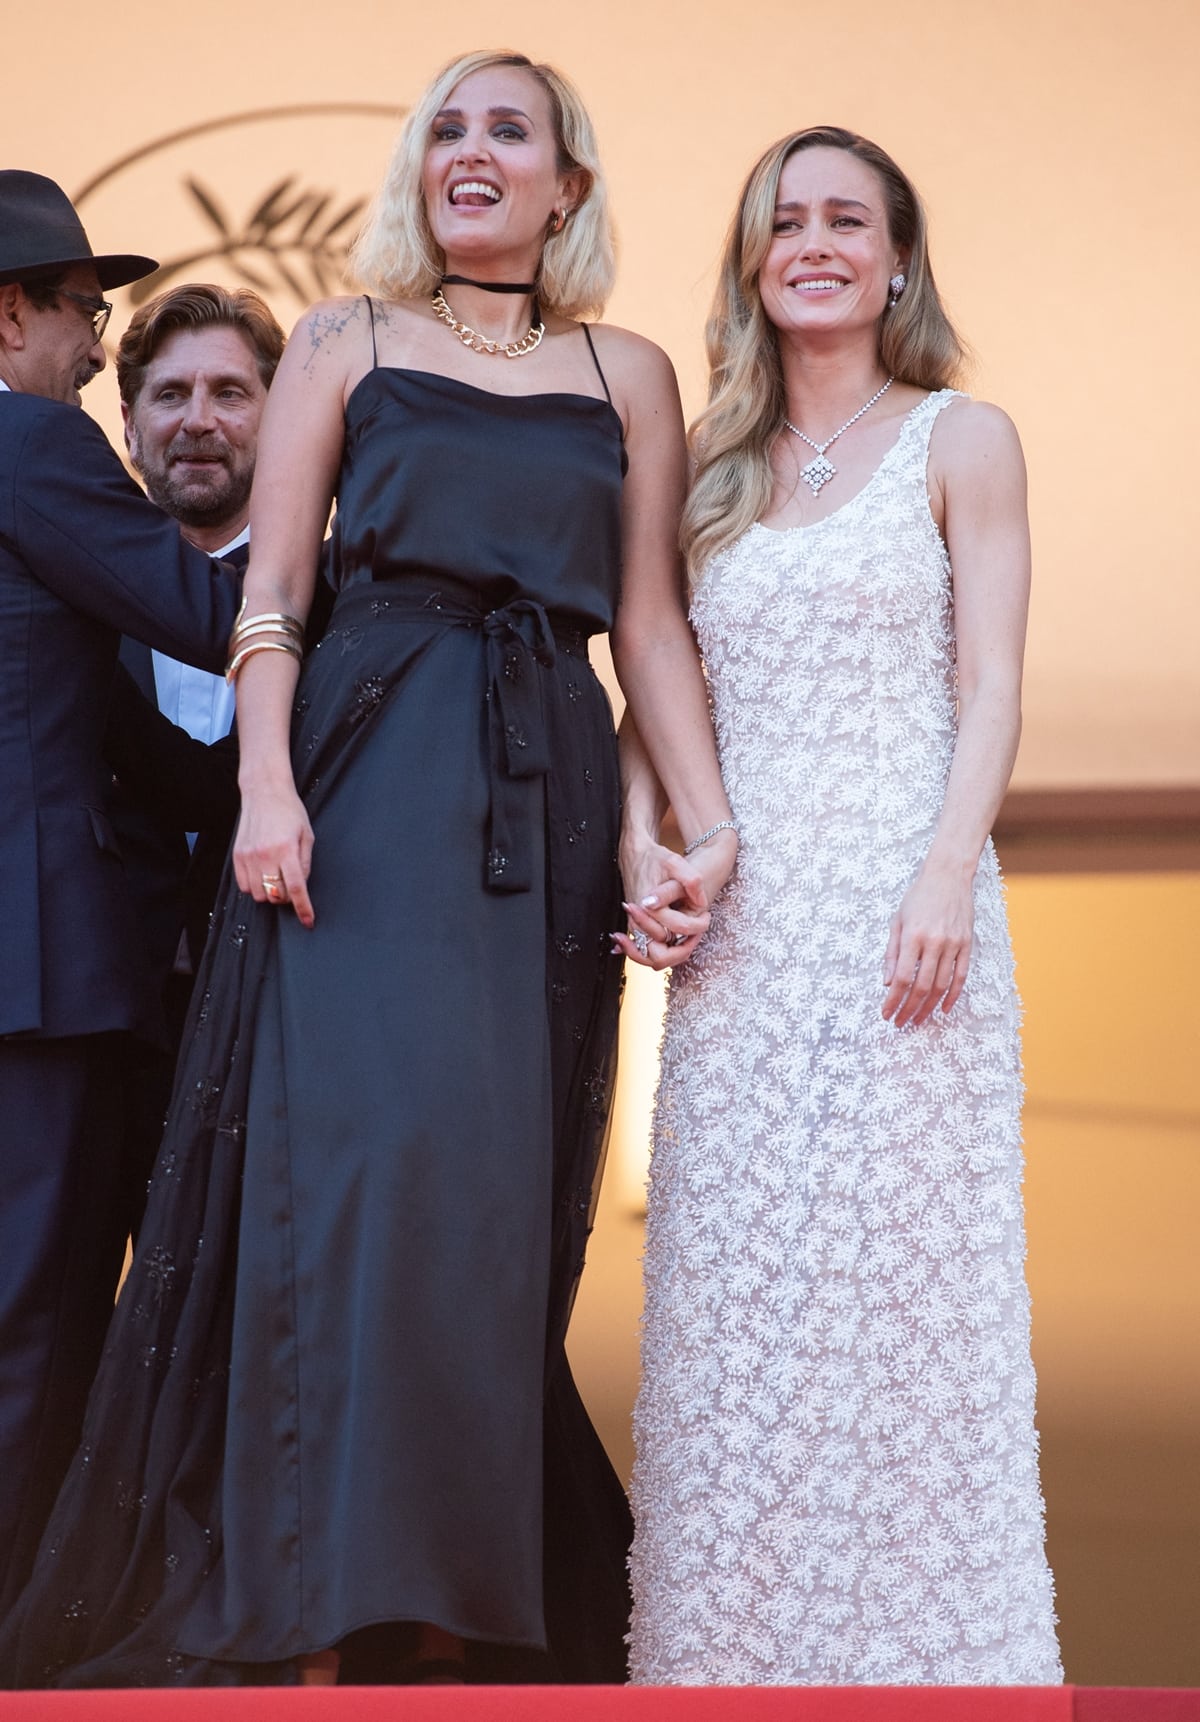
x,y
731,441
396,254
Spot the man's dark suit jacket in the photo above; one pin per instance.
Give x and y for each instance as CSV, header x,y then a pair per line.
x,y
168,784
84,558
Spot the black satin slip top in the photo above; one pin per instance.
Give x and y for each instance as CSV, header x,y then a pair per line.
x,y
514,496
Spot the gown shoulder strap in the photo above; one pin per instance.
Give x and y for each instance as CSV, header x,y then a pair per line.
x,y
607,394
371,315
595,360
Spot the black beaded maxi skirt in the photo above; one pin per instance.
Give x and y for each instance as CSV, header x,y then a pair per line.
x,y
334,1392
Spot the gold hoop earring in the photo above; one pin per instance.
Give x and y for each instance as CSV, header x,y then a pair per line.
x,y
558,220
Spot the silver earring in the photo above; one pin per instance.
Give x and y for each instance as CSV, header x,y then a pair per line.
x,y
896,286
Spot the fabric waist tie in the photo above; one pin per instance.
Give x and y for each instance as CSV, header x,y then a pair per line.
x,y
519,639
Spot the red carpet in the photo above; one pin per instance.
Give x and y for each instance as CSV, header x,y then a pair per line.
x,y
614,1704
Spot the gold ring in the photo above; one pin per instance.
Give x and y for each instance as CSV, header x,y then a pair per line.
x,y
273,887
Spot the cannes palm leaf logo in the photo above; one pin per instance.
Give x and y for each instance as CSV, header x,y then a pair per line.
x,y
295,241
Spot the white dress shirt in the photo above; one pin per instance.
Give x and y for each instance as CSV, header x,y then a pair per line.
x,y
196,700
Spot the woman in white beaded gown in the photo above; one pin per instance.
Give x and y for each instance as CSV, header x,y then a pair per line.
x,y
836,1480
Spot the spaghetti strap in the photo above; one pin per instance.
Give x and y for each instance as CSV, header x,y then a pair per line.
x,y
592,350
607,394
374,349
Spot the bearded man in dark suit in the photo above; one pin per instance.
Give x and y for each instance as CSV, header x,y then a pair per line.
x,y
193,368
84,558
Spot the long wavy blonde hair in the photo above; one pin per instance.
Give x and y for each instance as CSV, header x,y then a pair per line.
x,y
396,255
731,441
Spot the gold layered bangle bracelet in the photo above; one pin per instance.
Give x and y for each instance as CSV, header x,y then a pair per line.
x,y
248,650
269,631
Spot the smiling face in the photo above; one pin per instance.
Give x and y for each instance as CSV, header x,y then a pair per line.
x,y
832,254
192,431
491,174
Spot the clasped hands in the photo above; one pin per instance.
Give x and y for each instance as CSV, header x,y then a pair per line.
x,y
670,898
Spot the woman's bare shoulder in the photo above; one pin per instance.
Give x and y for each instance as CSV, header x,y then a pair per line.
x,y
324,326
969,431
636,368
338,340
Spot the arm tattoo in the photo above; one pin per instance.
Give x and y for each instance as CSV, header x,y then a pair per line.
x,y
323,325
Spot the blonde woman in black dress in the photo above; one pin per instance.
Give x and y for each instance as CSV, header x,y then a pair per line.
x,y
336,1422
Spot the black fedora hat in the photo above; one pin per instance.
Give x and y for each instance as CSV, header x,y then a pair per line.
x,y
40,232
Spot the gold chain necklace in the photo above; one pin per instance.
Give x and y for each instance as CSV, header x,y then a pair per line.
x,y
479,343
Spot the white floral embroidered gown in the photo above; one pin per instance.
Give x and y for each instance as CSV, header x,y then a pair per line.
x,y
836,1479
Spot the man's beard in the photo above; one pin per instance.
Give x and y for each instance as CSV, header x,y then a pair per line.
x,y
200,502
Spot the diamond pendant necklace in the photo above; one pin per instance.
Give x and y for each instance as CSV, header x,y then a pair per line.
x,y
818,472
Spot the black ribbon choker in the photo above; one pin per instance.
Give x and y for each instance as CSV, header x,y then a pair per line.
x,y
489,286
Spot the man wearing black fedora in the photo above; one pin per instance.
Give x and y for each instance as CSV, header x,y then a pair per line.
x,y
84,557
